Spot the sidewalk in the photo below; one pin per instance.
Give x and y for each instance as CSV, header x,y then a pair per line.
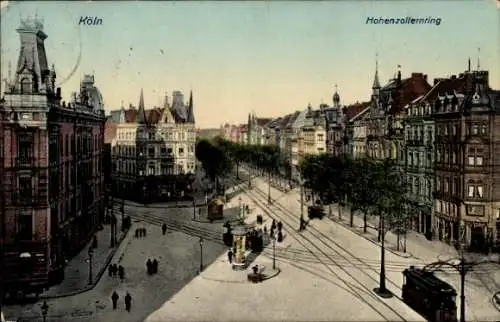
x,y
76,273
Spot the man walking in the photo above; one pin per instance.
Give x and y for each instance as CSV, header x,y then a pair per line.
x,y
121,272
164,228
114,299
230,256
128,302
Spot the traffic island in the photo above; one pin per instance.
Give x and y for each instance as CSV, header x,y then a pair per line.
x,y
258,274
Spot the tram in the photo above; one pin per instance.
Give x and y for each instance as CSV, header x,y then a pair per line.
x,y
429,296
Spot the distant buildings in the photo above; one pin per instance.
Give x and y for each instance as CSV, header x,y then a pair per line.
x,y
209,133
442,137
153,150
51,168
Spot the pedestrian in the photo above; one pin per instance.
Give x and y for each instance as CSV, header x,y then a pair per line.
x,y
271,232
265,229
144,231
273,225
121,272
230,256
164,228
113,270
136,232
155,266
280,236
149,266
280,225
114,299
128,302
110,270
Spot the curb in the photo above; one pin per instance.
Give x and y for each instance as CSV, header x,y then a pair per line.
x,y
97,277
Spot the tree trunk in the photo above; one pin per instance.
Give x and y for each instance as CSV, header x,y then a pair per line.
x,y
340,211
237,171
365,222
330,210
351,219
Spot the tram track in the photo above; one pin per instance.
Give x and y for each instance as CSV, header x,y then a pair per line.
x,y
299,237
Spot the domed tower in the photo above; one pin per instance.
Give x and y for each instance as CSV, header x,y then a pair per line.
x,y
336,98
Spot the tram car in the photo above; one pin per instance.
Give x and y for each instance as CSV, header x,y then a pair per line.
x,y
428,295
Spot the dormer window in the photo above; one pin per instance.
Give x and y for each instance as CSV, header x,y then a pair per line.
x,y
483,129
475,129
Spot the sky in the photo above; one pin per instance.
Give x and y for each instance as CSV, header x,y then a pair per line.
x,y
266,57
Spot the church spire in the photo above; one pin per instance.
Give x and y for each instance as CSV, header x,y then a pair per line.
x,y
141,113
190,118
376,83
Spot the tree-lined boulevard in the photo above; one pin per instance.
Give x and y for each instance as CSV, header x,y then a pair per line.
x,y
375,188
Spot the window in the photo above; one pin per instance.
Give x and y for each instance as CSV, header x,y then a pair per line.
x,y
480,191
151,152
151,170
483,129
475,157
25,148
181,151
25,188
470,191
25,226
169,150
475,129
454,130
454,158
446,184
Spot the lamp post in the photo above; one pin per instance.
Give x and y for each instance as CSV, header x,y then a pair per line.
x,y
194,209
201,254
122,207
113,228
273,237
382,290
90,252
45,310
239,207
269,188
463,267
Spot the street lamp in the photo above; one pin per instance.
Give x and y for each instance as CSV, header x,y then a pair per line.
x,y
382,290
201,254
273,237
239,207
194,208
90,252
122,207
45,310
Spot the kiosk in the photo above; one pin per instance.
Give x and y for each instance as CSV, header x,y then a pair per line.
x,y
239,244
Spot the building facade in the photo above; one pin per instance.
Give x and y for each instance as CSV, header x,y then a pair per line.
x,y
153,151
52,180
256,131
467,197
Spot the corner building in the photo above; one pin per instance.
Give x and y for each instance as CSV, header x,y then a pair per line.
x,y
467,153
52,182
153,151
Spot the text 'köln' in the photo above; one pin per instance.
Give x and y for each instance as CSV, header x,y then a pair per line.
x,y
90,21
